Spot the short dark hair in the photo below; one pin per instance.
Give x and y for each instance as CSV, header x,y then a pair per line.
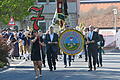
x,y
51,27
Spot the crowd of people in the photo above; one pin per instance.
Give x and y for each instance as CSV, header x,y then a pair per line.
x,y
35,45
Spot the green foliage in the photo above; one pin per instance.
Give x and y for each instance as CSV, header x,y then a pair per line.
x,y
2,64
14,8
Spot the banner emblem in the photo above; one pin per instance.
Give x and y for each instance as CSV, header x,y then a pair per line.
x,y
71,42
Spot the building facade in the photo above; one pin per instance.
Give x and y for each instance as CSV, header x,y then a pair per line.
x,y
50,8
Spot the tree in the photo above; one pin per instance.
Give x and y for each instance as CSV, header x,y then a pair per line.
x,y
18,9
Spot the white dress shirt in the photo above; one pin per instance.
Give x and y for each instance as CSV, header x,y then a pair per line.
x,y
51,37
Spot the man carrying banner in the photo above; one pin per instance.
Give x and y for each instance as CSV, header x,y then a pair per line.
x,y
92,40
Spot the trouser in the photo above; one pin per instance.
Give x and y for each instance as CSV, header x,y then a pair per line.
x,y
92,53
51,56
86,53
99,58
65,59
26,51
73,58
20,49
43,54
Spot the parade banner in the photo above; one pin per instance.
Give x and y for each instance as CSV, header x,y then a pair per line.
x,y
38,16
71,42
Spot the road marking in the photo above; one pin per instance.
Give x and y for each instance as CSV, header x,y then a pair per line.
x,y
10,69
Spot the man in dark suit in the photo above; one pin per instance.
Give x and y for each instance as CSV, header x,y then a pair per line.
x,y
51,41
92,40
101,44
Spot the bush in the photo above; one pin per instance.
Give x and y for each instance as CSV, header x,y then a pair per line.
x,y
2,64
3,52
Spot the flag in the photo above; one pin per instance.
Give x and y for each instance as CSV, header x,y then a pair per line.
x,y
65,8
59,6
62,9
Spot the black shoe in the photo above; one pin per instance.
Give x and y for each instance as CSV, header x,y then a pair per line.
x,y
94,68
51,69
54,68
80,56
20,57
69,63
57,60
101,65
44,65
26,59
65,66
98,66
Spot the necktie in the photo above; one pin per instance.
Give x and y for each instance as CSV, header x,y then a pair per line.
x,y
90,35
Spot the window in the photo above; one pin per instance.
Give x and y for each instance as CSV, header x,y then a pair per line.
x,y
42,25
42,0
51,0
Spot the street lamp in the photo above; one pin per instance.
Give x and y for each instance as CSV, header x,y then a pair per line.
x,y
115,12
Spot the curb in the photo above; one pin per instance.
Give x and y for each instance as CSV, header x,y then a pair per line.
x,y
4,68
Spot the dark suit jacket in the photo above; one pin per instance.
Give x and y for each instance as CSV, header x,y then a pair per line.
x,y
102,41
54,47
94,45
